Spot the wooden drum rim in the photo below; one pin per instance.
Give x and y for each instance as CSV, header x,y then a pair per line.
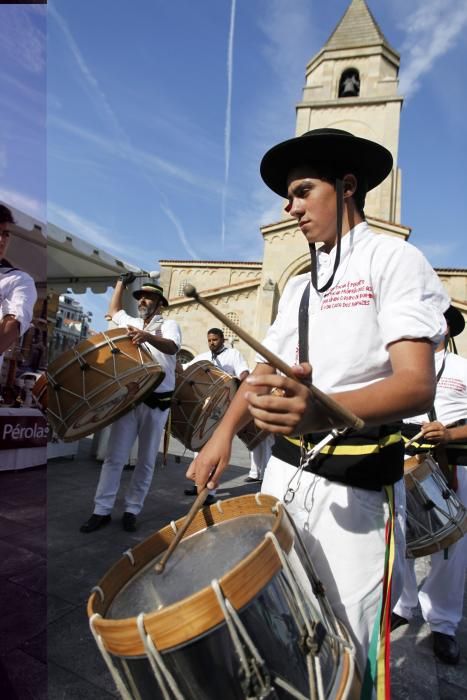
x,y
185,620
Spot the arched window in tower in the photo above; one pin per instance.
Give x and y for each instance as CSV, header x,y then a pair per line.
x,y
229,335
349,84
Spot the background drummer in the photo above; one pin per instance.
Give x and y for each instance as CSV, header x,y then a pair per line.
x,y
146,422
371,348
230,360
442,594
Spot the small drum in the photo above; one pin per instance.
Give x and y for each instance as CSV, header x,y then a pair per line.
x,y
251,436
97,381
435,516
237,613
202,395
39,393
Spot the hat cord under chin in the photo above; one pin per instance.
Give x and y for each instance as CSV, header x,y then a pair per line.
x,y
312,246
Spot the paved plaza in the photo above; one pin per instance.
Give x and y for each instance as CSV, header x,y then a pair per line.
x,y
56,658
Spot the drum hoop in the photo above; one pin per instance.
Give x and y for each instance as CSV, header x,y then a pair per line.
x,y
168,627
110,336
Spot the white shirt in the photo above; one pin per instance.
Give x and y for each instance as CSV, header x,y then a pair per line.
x,y
165,328
17,297
229,360
451,391
384,290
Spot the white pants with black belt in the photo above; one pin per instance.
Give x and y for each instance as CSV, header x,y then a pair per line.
x,y
441,596
343,530
146,424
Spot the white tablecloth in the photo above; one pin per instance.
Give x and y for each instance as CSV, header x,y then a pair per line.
x,y
26,426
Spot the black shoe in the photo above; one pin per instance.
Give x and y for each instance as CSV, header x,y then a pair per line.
x,y
446,648
95,522
129,522
253,480
209,500
397,621
191,492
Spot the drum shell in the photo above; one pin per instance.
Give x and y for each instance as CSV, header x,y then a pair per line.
x,y
251,436
436,518
97,381
192,635
203,393
39,392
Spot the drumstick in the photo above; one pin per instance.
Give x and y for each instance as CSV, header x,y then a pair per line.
x,y
414,439
334,408
201,497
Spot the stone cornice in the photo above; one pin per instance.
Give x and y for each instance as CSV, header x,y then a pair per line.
x,y
217,292
210,263
346,101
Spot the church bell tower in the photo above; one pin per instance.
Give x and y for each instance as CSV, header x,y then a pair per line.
x,y
352,84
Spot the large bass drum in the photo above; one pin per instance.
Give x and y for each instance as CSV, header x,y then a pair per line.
x,y
237,613
97,381
202,395
435,516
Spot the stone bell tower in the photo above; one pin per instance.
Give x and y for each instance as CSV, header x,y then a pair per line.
x,y
351,84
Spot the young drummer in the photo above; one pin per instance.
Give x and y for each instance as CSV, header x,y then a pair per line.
x,y
370,322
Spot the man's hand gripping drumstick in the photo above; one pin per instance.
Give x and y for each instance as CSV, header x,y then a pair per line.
x,y
297,408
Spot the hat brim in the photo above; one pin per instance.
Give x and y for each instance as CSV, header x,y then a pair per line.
x,y
455,321
139,293
343,150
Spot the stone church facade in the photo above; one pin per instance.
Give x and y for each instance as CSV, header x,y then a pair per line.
x,y
351,84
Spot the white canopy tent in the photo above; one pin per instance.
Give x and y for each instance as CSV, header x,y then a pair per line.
x,y
74,264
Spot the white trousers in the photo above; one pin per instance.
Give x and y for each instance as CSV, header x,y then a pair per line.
x,y
146,424
441,595
343,530
259,457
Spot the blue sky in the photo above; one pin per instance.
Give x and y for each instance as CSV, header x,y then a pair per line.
x,y
159,113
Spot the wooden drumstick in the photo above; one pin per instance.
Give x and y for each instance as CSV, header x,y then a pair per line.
x,y
414,439
201,497
334,408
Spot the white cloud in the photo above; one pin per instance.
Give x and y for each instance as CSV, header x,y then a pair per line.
x,y
431,31
142,159
22,39
27,205
94,233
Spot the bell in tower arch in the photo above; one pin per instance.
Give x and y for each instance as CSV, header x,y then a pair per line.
x,y
349,84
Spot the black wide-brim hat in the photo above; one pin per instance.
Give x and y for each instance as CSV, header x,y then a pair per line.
x,y
154,289
455,321
335,149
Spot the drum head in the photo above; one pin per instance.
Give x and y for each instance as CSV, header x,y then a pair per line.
x,y
197,560
95,383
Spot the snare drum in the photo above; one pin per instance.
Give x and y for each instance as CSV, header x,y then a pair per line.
x,y
97,381
237,613
202,395
435,516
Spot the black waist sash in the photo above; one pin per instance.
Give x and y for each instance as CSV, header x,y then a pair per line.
x,y
161,401
369,459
